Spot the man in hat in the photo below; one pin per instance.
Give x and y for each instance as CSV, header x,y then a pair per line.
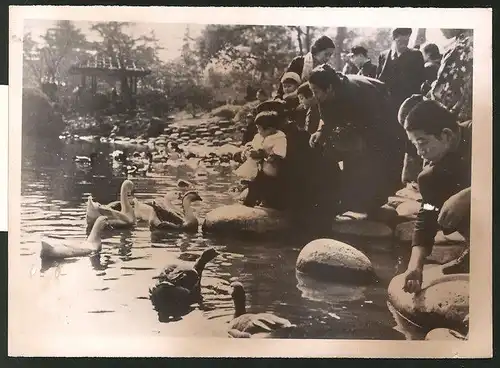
x,y
359,57
401,68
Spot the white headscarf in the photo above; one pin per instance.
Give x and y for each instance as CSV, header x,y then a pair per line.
x,y
308,66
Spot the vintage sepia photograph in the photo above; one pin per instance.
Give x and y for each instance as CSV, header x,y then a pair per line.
x,y
277,177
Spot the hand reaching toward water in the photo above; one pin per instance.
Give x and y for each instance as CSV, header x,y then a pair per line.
x,y
413,280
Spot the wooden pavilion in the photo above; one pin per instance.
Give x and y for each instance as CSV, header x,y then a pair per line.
x,y
127,72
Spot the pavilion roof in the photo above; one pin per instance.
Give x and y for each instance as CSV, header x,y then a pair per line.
x,y
108,65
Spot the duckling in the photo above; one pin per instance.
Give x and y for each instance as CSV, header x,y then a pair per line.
x,y
244,324
178,284
54,249
172,219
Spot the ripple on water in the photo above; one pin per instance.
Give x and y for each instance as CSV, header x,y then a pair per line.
x,y
111,289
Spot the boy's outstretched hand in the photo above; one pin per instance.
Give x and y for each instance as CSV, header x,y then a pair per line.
x,y
413,280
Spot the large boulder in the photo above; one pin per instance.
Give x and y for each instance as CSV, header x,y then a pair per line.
x,y
443,301
332,260
359,225
239,218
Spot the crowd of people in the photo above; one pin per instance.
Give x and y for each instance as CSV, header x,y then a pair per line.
x,y
330,142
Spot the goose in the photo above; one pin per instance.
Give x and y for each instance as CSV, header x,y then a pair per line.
x,y
244,324
124,218
178,284
54,249
169,218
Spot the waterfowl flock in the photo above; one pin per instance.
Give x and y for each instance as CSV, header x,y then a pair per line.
x,y
177,285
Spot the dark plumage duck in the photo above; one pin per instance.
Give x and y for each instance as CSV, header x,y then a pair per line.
x,y
166,217
244,324
178,285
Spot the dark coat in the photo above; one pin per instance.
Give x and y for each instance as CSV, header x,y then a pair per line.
x,y
368,70
361,110
403,76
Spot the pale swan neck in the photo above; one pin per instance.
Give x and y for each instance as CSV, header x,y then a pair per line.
x,y
124,201
95,234
189,216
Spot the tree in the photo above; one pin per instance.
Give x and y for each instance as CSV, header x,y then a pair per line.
x,y
305,36
49,61
420,37
339,42
122,48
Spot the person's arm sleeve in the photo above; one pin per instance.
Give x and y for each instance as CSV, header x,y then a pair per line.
x,y
426,225
279,148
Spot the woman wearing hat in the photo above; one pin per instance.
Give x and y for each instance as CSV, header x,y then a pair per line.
x,y
321,52
360,130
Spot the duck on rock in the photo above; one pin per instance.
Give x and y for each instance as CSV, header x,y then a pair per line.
x,y
54,249
246,325
178,284
166,217
124,218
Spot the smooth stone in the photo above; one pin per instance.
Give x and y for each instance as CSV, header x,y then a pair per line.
x,y
404,231
442,254
332,260
386,214
443,301
395,201
408,209
410,193
453,238
440,334
360,227
236,217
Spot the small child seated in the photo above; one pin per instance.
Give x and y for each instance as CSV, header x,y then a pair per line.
x,y
264,156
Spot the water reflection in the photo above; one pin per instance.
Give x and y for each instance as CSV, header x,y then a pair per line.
x,y
109,291
327,292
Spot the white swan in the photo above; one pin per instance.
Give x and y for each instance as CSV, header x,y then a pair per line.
x,y
53,248
124,218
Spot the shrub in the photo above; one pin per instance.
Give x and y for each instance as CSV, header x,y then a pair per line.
x,y
226,111
38,114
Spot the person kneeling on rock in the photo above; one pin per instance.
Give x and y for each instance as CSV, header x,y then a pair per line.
x,y
264,158
444,184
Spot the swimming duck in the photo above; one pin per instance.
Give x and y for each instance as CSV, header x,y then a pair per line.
x,y
167,217
141,166
85,160
123,218
51,248
244,324
179,283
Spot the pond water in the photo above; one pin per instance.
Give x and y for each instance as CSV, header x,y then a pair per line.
x,y
108,294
